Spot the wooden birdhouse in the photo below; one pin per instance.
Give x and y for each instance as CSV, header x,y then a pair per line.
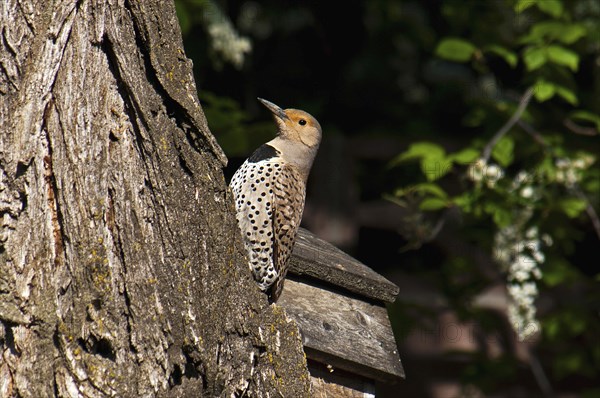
x,y
339,305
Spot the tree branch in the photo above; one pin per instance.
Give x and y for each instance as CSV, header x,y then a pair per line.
x,y
577,129
539,374
589,209
523,102
529,129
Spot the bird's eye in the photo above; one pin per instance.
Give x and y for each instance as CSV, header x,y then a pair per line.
x,y
302,122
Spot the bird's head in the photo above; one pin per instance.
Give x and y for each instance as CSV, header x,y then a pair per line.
x,y
295,125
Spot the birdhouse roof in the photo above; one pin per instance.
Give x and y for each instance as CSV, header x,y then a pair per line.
x,y
339,305
318,259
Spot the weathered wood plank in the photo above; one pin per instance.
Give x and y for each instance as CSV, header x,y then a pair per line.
x,y
321,260
342,331
335,383
323,389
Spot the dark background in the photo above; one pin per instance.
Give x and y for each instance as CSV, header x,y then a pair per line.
x,y
367,70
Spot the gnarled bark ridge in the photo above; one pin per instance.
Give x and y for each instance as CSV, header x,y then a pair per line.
x,y
121,269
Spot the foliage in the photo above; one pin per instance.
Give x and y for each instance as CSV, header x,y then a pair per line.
x,y
530,183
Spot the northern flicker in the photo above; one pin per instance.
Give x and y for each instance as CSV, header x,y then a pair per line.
x,y
269,191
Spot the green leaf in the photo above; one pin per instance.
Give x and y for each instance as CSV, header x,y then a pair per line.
x,y
396,200
425,189
562,56
585,116
466,156
553,30
567,95
431,204
522,5
571,363
454,49
502,217
434,163
430,188
435,168
544,90
541,31
509,56
552,278
534,58
551,326
571,33
503,151
557,272
551,7
592,185
546,169
464,201
419,150
572,206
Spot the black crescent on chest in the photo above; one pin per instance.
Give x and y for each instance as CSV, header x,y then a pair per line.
x,y
264,152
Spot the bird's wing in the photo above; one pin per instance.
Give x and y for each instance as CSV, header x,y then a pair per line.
x,y
253,189
288,205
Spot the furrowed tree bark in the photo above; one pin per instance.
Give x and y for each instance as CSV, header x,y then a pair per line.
x,y
121,266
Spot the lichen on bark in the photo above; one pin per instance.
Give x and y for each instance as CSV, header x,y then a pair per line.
x,y
121,267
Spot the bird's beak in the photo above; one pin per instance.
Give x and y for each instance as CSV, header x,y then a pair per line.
x,y
275,110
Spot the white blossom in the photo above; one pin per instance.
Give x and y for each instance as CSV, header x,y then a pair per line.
x,y
563,163
571,177
522,177
523,322
579,163
493,174
502,255
531,233
518,249
527,192
538,256
529,289
475,171
522,267
525,261
225,41
570,171
588,160
480,171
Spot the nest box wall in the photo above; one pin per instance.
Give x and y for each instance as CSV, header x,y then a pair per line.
x,y
339,305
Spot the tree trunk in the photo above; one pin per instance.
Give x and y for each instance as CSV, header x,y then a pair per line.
x,y
121,268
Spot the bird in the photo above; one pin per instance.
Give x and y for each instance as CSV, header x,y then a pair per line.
x,y
269,191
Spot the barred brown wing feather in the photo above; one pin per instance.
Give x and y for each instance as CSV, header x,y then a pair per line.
x,y
288,195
